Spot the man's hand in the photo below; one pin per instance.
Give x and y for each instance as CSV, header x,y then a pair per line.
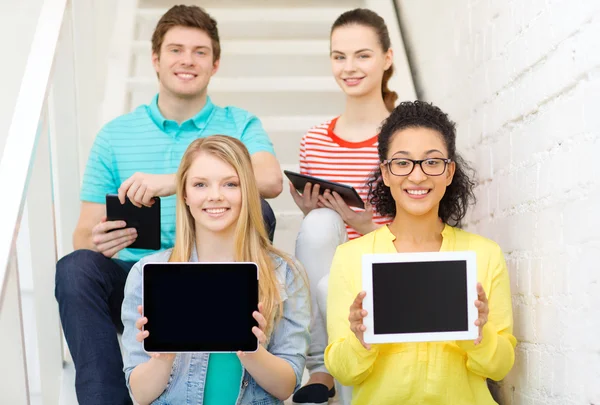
x,y
141,188
110,243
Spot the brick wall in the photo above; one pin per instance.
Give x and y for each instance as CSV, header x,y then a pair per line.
x,y
522,80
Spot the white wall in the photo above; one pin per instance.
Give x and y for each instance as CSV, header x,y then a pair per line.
x,y
522,81
18,20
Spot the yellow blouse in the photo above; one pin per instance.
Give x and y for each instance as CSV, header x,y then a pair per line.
x,y
449,373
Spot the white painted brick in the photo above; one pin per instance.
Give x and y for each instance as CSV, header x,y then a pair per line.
x,y
576,372
523,85
581,219
591,100
502,157
592,377
525,324
548,234
534,369
523,399
559,374
556,267
546,362
537,275
566,17
523,277
523,186
511,263
548,327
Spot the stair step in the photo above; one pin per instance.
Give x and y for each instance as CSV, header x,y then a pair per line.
x,y
258,65
288,225
258,14
266,58
261,103
292,122
253,84
259,47
292,167
286,133
284,203
209,4
254,23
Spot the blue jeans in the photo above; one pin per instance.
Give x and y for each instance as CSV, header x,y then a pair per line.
x,y
89,291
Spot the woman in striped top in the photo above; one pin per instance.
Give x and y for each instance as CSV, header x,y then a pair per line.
x,y
342,150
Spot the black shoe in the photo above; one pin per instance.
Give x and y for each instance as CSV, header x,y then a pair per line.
x,y
313,394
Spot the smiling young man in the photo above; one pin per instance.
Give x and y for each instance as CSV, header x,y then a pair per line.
x,y
137,156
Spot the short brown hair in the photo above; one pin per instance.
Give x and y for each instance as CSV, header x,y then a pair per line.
x,y
186,16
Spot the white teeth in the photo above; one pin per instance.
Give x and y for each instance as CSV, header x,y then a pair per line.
x,y
216,211
417,192
185,75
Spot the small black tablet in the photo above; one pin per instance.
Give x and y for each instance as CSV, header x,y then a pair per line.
x,y
348,193
200,307
146,220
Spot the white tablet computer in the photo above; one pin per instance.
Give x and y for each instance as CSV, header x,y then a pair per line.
x,y
420,297
200,307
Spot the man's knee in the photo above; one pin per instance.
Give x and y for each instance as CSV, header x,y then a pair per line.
x,y
268,218
76,271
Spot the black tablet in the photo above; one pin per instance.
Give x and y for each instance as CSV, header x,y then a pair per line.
x,y
146,220
200,307
348,193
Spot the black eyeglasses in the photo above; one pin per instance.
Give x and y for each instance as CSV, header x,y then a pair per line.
x,y
404,167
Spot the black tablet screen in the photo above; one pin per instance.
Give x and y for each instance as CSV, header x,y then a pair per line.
x,y
200,307
417,297
146,220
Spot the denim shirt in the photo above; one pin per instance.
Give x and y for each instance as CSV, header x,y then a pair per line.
x,y
289,340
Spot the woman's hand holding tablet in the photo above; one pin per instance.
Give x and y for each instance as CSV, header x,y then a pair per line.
x,y
143,334
482,312
357,314
259,331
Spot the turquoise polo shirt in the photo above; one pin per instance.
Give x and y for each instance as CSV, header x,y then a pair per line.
x,y
144,141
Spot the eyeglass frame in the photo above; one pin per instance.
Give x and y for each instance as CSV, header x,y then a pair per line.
x,y
387,162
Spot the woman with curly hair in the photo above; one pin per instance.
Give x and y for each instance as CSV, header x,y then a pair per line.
x,y
426,187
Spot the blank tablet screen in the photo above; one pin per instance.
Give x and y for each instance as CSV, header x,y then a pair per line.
x,y
417,297
200,307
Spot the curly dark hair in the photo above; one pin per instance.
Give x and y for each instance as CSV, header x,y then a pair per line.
x,y
459,194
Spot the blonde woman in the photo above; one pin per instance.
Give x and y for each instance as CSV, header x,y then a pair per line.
x,y
218,219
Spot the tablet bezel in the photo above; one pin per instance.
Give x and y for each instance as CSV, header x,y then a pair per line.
x,y
348,193
367,285
196,264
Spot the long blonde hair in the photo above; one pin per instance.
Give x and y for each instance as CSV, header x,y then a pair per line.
x,y
251,241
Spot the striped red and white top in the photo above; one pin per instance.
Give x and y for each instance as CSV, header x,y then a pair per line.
x,y
325,155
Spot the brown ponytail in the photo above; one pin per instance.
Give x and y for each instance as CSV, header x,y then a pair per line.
x,y
368,18
389,96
